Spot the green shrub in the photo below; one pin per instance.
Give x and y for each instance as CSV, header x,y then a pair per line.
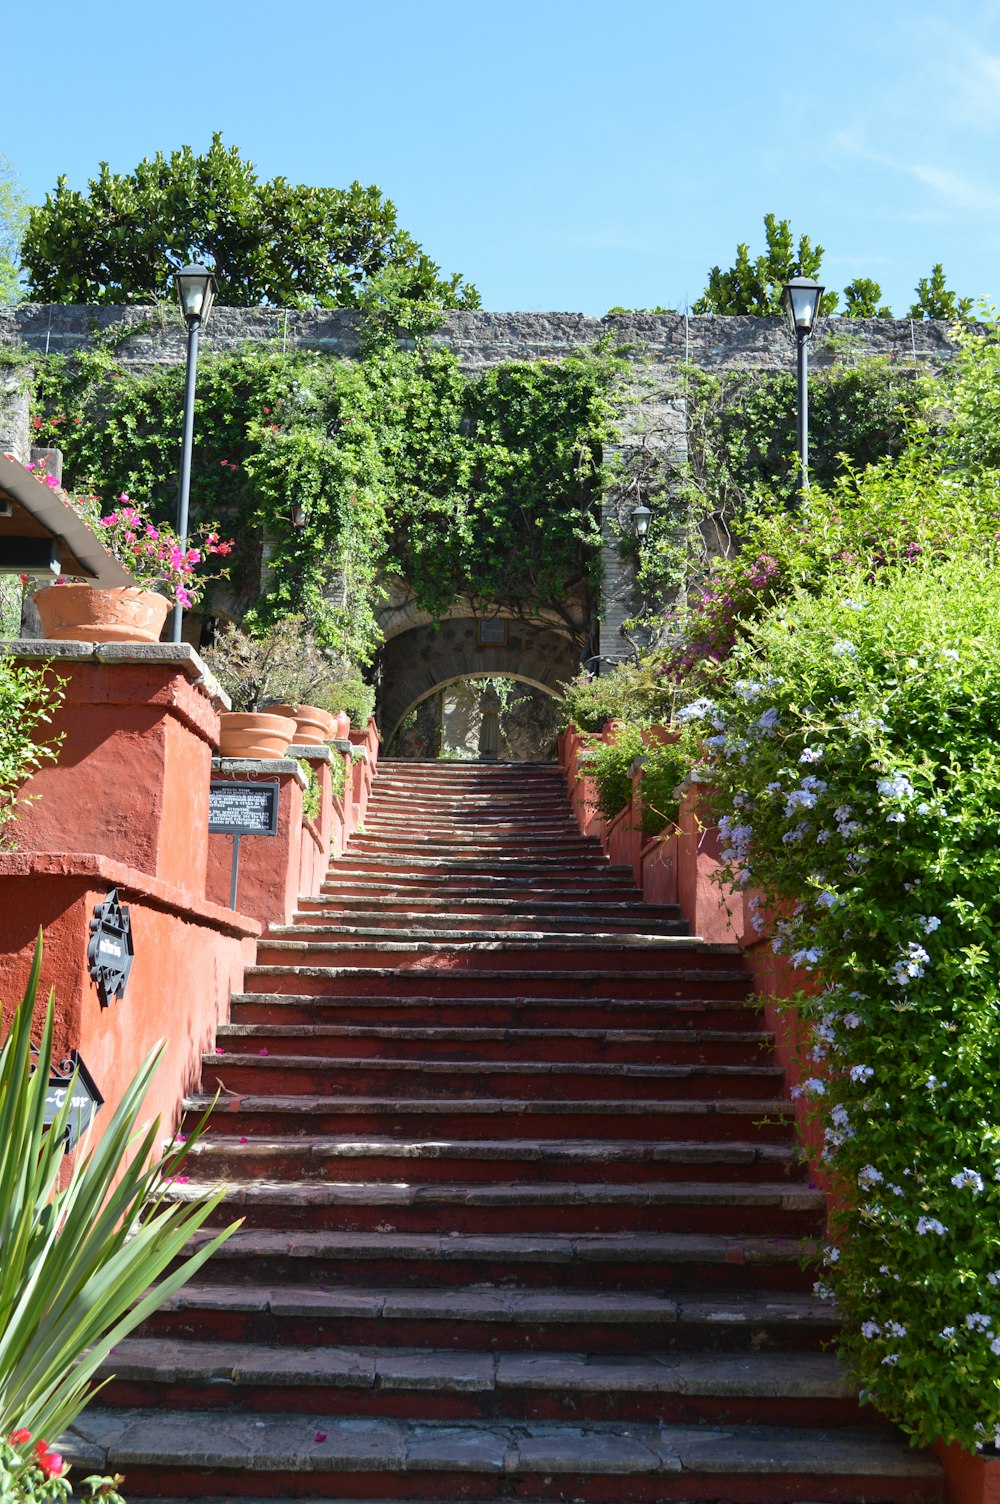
x,y
858,768
664,768
608,763
628,692
28,696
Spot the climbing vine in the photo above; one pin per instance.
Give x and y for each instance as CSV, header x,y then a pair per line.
x,y
334,475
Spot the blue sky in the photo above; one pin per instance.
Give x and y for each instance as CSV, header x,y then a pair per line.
x,y
561,155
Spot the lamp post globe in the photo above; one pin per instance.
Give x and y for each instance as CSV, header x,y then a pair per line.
x,y
196,294
801,298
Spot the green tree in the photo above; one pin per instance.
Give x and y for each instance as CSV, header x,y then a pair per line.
x,y
935,299
861,300
13,218
269,242
755,286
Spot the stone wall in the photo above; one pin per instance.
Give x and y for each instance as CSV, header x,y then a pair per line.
x,y
657,345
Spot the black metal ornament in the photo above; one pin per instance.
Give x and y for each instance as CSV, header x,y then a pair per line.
x,y
87,1099
110,951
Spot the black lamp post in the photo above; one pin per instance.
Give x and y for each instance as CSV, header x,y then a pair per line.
x,y
800,299
196,293
640,521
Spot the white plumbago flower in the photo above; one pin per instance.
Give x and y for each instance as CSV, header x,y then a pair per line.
x,y
815,1086
950,653
811,754
895,786
870,1330
853,605
897,1190
978,1321
968,1180
869,1176
767,721
827,900
930,1224
844,649
852,1020
995,1350
895,817
797,833
815,785
696,711
890,1360
861,1073
799,799
994,1278
947,1333
831,1254
772,788
928,924
923,808
748,689
895,1329
840,1116
807,958
822,1291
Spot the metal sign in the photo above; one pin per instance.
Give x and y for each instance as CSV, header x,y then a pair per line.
x,y
71,1075
110,951
243,809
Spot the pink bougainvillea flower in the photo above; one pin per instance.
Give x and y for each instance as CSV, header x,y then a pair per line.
x,y
262,1052
320,1435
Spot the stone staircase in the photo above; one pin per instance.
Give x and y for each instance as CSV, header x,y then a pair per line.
x,y
524,1217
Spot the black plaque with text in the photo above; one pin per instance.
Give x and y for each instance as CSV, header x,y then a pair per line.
x,y
243,809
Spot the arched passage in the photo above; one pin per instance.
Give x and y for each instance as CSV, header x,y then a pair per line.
x,y
422,660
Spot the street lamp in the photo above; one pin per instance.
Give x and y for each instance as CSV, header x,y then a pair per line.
x,y
640,522
800,299
196,294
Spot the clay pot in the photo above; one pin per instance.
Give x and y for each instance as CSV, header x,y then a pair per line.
x,y
342,723
254,734
313,727
81,613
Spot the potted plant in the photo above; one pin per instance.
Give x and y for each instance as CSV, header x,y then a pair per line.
x,y
163,571
284,674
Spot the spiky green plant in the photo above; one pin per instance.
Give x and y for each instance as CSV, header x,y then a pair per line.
x,y
78,1263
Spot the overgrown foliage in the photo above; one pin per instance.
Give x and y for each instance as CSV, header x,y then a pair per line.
x,y
853,746
755,286
629,691
28,698
268,242
664,767
353,470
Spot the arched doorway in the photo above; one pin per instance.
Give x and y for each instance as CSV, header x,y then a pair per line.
x,y
448,721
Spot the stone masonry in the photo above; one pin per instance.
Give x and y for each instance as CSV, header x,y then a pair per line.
x,y
658,345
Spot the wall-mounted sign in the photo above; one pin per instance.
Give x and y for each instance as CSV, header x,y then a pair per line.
x,y
110,952
72,1076
242,809
491,632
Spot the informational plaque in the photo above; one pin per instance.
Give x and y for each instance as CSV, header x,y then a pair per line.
x,y
110,951
72,1075
243,809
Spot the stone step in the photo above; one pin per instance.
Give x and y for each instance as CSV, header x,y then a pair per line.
x,y
486,904
680,981
793,1389
222,1155
491,1079
550,1208
496,1318
506,1118
490,864
405,920
624,1261
332,1041
543,955
601,884
192,1453
464,931
509,1012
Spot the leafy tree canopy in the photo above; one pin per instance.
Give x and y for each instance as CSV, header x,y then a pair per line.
x,y
862,300
13,215
269,242
755,286
935,299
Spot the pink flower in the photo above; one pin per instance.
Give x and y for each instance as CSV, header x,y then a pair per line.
x,y
320,1436
262,1052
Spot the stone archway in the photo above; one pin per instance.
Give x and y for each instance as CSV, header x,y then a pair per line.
x,y
421,660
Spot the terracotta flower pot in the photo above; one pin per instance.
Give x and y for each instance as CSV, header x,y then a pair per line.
x,y
255,734
342,725
81,613
313,727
